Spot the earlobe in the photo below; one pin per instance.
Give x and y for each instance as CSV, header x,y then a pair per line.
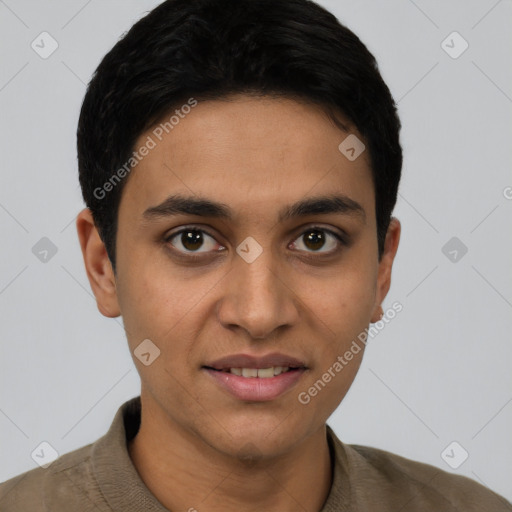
x,y
97,265
385,266
377,315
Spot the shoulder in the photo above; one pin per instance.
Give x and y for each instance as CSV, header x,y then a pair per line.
x,y
420,486
68,479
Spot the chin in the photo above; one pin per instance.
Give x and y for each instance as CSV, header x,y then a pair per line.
x,y
253,440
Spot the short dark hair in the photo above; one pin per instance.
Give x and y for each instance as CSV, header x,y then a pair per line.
x,y
212,49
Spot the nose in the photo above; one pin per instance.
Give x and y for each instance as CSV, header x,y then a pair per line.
x,y
258,299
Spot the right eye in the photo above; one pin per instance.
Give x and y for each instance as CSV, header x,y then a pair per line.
x,y
192,240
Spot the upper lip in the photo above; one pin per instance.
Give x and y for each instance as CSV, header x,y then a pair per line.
x,y
249,361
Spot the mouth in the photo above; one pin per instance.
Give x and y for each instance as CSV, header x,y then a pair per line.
x,y
261,373
255,380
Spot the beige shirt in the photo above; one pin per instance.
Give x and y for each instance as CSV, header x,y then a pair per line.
x,y
101,477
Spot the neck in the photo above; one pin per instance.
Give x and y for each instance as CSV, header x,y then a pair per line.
x,y
184,473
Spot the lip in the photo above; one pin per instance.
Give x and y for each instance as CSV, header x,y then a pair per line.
x,y
250,361
256,389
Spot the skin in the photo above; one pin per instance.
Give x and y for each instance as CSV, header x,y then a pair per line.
x,y
199,447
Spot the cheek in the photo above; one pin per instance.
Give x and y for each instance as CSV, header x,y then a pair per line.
x,y
163,311
150,303
165,305
343,301
341,307
329,383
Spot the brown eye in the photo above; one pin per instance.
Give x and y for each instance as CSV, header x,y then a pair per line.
x,y
193,240
314,239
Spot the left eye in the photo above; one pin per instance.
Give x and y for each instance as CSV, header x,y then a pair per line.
x,y
314,239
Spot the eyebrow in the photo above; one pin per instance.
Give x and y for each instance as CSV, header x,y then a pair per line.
x,y
203,207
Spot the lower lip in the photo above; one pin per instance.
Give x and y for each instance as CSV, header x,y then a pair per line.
x,y
256,389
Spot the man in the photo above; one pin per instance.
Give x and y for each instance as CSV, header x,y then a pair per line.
x,y
240,162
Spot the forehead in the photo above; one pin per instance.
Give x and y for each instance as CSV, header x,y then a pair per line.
x,y
249,153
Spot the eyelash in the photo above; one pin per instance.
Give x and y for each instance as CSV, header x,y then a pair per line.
x,y
190,256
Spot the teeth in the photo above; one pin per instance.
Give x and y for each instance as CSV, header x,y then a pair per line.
x,y
262,373
265,373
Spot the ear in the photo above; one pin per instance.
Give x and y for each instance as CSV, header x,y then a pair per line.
x,y
97,265
385,266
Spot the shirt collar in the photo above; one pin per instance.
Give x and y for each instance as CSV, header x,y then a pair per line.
x,y
117,477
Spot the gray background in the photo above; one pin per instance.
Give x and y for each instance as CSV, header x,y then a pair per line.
x,y
439,372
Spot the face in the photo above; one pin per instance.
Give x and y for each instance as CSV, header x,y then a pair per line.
x,y
246,240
